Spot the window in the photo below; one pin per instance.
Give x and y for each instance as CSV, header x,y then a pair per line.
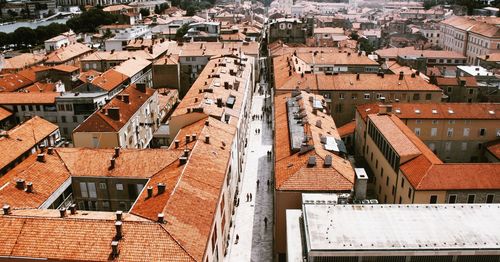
x,y
416,97
471,198
482,132
63,119
433,199
428,96
119,187
464,146
83,189
69,107
354,96
452,199
367,96
450,132
393,190
341,96
92,190
37,107
376,164
466,131
451,122
75,119
489,198
432,147
417,131
59,108
435,122
471,91
387,181
102,186
434,131
418,121
402,182
409,192
105,204
447,146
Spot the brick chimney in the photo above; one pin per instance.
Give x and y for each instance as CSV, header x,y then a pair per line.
x,y
141,87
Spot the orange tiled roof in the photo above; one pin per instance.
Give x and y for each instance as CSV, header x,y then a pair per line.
x,y
470,81
30,73
347,129
21,98
84,239
291,170
13,82
482,25
99,121
109,80
66,68
67,53
286,79
412,52
23,137
494,148
437,110
4,113
41,87
22,61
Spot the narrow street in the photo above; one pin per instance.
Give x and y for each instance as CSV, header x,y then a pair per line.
x,y
255,239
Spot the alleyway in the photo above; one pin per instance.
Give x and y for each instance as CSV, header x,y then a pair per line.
x,y
255,239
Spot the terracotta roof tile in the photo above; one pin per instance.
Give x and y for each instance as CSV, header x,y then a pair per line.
x,y
22,61
13,82
494,148
15,98
24,137
4,113
347,129
67,53
291,169
100,121
109,80
46,177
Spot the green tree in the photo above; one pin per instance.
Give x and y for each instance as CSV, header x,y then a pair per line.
x,y
354,36
24,36
157,9
144,12
190,10
365,45
181,32
89,21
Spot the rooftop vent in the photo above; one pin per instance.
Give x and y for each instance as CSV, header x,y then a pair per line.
x,y
401,75
188,139
491,112
450,111
161,218
434,111
318,123
328,161
117,152
161,188
311,161
6,209
20,183
150,191
113,163
42,148
417,111
207,139
119,215
62,212
40,158
72,209
119,232
29,187
50,150
176,143
183,160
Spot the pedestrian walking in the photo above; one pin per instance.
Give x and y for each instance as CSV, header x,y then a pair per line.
x,y
237,239
258,182
248,197
267,184
265,222
251,197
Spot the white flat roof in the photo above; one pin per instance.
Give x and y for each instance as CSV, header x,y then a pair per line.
x,y
475,70
340,228
294,248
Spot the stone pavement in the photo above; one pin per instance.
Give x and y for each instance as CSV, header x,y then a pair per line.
x,y
255,240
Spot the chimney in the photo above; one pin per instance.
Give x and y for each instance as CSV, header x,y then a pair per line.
x,y
360,183
20,184
42,148
193,136
113,163
417,73
161,188
50,150
182,160
6,209
176,143
114,113
72,209
207,139
487,57
357,76
119,233
412,75
29,187
401,75
117,152
62,212
126,98
150,191
119,215
219,102
40,158
207,123
186,153
161,218
114,248
188,139
463,82
141,87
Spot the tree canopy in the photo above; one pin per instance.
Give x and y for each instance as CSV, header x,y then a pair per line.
x,y
24,36
88,21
